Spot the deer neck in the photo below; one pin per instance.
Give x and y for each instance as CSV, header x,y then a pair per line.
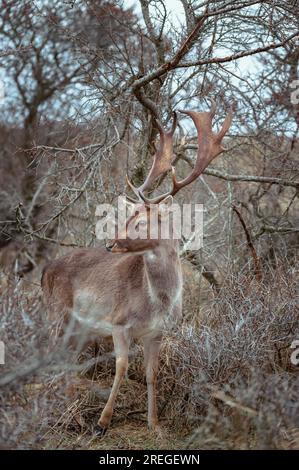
x,y
162,266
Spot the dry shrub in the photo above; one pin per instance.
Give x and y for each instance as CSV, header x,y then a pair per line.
x,y
225,380
36,379
231,378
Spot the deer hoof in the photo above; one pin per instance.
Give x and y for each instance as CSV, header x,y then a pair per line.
x,y
99,431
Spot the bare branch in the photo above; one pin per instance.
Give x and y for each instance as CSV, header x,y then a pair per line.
x,y
253,179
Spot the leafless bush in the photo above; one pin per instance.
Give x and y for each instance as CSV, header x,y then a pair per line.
x,y
225,380
36,393
234,382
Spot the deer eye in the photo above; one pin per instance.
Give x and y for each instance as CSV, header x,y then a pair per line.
x,y
141,223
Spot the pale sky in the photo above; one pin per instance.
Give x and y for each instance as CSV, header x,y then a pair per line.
x,y
176,12
174,8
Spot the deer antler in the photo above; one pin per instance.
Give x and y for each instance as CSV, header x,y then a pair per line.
x,y
209,144
162,159
209,147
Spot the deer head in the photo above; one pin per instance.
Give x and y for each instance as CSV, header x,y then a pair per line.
x,y
142,230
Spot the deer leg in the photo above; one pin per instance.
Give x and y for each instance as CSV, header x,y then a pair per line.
x,y
121,340
151,360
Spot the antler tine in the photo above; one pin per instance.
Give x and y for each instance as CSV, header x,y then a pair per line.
x,y
171,131
213,108
162,160
160,127
135,190
226,125
174,123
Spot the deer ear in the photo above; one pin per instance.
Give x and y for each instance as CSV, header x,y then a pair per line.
x,y
131,206
165,205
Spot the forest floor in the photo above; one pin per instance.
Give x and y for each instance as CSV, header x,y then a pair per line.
x,y
136,436
133,435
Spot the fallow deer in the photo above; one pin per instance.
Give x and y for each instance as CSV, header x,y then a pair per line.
x,y
131,289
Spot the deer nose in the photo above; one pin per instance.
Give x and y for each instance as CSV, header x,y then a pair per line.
x,y
110,245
